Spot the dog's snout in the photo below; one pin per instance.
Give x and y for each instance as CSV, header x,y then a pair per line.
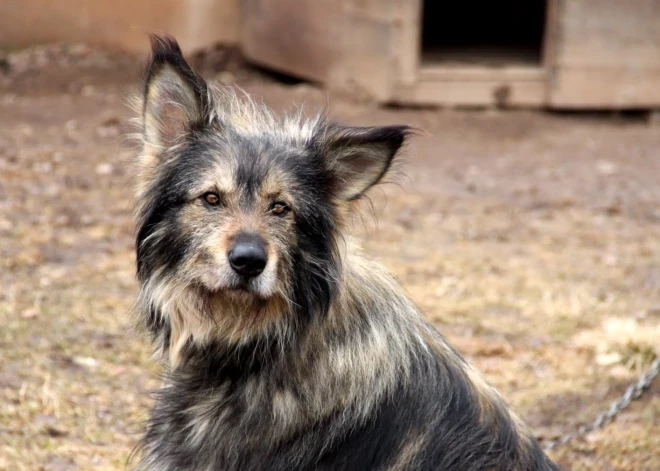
x,y
247,255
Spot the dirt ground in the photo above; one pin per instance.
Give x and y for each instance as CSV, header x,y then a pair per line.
x,y
531,240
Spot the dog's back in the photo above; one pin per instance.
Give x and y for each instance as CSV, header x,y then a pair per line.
x,y
286,348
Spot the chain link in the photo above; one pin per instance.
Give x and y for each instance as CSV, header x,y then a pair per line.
x,y
633,392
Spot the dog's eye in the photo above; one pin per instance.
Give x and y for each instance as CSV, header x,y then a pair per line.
x,y
280,208
211,199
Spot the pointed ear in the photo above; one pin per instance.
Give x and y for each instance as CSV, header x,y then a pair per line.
x,y
359,157
176,99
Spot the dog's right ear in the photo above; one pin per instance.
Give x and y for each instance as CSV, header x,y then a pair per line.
x,y
176,99
359,157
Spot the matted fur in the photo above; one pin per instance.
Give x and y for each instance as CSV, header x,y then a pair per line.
x,y
319,362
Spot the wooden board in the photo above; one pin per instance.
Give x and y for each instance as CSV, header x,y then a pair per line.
x,y
121,24
606,54
474,86
297,37
347,44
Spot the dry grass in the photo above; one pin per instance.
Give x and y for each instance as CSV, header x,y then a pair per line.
x,y
531,241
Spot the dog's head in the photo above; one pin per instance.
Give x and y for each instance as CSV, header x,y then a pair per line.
x,y
238,211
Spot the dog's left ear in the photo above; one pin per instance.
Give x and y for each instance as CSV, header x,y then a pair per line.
x,y
359,157
176,99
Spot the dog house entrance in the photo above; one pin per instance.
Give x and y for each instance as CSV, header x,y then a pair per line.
x,y
483,32
477,53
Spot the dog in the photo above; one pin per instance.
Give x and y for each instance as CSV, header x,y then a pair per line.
x,y
285,348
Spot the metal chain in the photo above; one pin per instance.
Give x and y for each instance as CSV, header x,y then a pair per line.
x,y
633,392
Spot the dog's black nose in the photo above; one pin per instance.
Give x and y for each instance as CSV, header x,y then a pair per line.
x,y
247,255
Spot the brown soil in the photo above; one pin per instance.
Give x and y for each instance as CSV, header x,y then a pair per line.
x,y
531,240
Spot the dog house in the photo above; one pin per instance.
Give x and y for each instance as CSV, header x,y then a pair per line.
x,y
562,54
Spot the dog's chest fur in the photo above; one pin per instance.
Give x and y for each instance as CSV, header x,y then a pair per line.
x,y
291,411
299,415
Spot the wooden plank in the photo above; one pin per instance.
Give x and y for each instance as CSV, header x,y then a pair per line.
x,y
122,24
347,44
607,54
408,41
368,63
618,88
299,37
482,92
551,33
516,73
614,33
378,10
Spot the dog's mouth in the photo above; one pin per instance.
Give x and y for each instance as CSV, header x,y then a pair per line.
x,y
222,282
245,287
242,287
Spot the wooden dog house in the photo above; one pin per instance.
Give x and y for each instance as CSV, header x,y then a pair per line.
x,y
511,53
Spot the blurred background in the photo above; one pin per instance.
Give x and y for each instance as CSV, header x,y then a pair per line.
x,y
526,223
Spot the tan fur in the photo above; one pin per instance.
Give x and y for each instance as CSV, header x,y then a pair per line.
x,y
488,397
375,362
232,317
275,187
409,452
171,96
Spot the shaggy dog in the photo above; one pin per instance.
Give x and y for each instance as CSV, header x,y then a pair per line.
x,y
287,348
